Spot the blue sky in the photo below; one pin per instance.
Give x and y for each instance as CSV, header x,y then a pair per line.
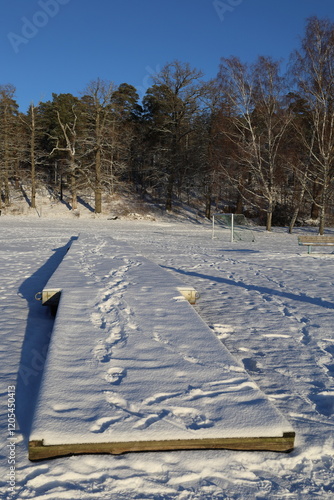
x,y
60,46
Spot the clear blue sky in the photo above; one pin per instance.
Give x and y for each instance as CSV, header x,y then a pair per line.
x,y
60,46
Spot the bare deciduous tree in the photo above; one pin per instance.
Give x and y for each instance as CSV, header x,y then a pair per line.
x,y
30,124
313,68
98,134
255,96
66,141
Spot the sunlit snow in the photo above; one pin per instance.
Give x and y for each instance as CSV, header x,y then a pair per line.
x,y
268,302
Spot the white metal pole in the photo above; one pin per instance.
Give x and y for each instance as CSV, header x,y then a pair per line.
x,y
213,226
232,224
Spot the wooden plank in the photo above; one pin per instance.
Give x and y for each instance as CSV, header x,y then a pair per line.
x,y
39,451
316,240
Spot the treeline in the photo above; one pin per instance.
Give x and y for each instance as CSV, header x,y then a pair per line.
x,y
253,140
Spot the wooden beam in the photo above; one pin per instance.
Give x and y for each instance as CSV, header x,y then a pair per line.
x,y
285,443
316,240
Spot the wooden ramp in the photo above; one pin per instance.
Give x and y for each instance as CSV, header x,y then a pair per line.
x,y
132,367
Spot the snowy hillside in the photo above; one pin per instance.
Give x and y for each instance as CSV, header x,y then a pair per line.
x,y
269,303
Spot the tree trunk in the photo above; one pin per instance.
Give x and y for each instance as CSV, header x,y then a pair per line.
x,y
98,190
314,211
208,203
6,182
239,205
73,185
6,161
293,219
269,215
317,191
32,159
322,221
169,193
98,200
299,201
322,212
269,220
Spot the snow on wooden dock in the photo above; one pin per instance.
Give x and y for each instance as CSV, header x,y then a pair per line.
x,y
132,367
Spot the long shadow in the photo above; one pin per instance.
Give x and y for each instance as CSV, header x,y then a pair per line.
x,y
241,250
36,340
261,289
85,204
25,196
66,203
54,195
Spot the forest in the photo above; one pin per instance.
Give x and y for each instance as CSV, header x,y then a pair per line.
x,y
255,140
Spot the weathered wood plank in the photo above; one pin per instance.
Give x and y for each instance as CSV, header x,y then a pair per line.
x,y
39,451
316,240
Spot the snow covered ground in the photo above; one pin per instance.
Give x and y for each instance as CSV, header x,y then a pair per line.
x,y
268,302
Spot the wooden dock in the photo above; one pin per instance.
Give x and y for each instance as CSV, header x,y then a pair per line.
x,y
132,367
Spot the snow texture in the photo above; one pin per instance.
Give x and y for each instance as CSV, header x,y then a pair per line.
x,y
268,302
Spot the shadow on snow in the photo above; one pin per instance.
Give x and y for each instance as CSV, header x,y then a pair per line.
x,y
36,340
260,289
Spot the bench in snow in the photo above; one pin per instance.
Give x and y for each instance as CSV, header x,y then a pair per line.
x,y
312,240
131,366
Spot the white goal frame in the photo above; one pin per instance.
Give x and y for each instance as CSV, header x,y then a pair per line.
x,y
232,221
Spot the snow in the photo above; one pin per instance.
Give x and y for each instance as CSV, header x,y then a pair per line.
x,y
268,302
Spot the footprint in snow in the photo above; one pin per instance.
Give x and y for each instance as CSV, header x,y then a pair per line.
x,y
96,319
148,420
324,402
160,397
102,424
116,336
101,353
330,350
158,338
250,365
190,418
223,331
191,359
115,375
117,401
